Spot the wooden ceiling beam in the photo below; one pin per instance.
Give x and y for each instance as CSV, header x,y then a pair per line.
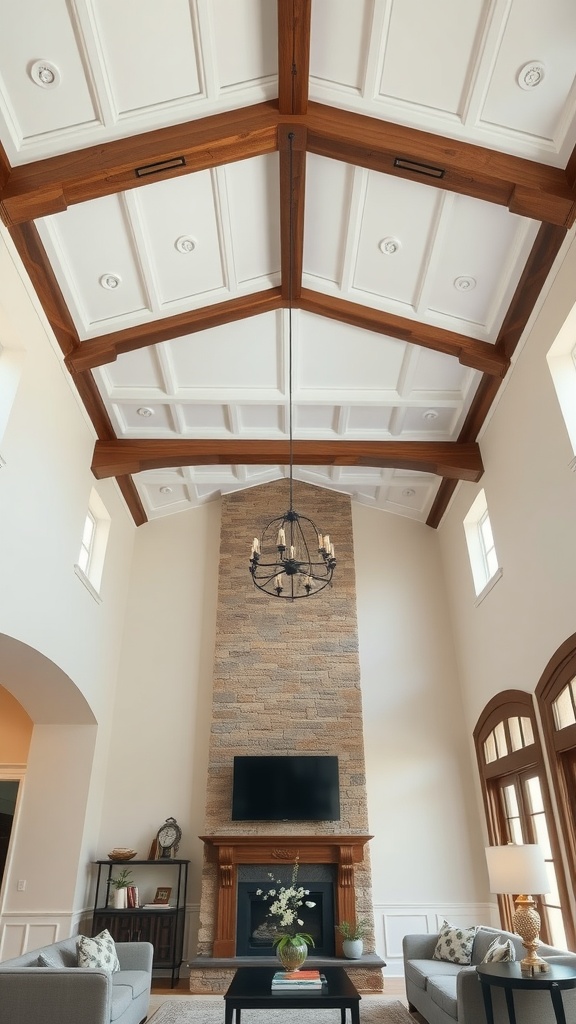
x,y
480,355
292,147
526,187
294,18
457,461
50,186
107,347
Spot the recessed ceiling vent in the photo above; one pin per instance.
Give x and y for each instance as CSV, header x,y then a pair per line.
x,y
162,165
411,165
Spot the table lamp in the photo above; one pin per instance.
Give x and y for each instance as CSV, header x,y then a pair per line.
x,y
520,870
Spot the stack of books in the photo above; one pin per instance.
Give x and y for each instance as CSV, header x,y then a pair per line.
x,y
297,981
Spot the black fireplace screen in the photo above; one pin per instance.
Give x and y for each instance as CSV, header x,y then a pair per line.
x,y
255,932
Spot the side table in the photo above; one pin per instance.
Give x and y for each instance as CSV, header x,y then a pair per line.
x,y
509,977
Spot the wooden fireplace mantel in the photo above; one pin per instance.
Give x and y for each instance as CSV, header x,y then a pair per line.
x,y
228,851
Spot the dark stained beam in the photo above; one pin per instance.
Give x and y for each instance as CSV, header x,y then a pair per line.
x,y
294,17
33,255
107,348
480,355
292,146
50,186
526,187
118,458
547,245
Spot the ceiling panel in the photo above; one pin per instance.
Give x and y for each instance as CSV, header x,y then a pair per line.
x,y
150,52
434,71
179,224
496,73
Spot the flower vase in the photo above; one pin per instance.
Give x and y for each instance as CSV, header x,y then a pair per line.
x,y
292,956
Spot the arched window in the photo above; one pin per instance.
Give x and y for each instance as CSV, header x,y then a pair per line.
x,y
517,802
556,696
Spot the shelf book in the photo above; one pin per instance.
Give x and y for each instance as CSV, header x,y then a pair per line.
x,y
297,980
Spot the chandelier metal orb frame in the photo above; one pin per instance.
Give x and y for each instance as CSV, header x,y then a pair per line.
x,y
293,558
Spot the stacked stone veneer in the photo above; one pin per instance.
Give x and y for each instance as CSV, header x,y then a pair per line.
x,y
286,681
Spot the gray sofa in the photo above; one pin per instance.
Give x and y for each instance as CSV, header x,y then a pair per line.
x,y
76,995
445,993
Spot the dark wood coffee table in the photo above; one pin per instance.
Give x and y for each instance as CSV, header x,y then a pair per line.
x,y
251,989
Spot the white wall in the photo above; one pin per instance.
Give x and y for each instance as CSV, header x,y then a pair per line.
x,y
158,757
508,639
59,648
427,852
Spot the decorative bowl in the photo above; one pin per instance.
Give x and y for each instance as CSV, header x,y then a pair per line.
x,y
121,853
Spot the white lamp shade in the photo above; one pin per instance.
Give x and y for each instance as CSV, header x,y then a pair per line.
x,y
517,869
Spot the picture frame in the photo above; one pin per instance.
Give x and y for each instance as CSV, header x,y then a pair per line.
x,y
163,894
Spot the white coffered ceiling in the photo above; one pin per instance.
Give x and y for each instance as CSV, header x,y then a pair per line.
x,y
497,74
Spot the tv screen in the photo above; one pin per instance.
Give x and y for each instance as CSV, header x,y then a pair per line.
x,y
292,788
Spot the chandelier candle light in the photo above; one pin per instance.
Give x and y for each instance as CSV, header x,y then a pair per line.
x,y
293,558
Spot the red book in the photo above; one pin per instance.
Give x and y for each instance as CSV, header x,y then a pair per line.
x,y
300,975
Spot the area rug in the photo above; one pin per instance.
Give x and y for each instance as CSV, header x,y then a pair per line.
x,y
210,1010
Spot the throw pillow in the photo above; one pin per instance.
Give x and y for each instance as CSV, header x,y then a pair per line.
x,y
455,944
99,951
46,960
500,951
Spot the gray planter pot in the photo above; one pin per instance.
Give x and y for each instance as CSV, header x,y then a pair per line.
x,y
353,948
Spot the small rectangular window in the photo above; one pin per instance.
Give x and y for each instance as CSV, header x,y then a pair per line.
x,y
480,542
90,563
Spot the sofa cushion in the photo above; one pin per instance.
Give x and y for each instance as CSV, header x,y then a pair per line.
x,y
138,981
442,991
51,958
121,1000
455,944
485,937
99,952
62,954
418,971
500,951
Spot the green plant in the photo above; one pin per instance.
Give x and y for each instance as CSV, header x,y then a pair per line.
x,y
352,932
281,941
285,903
122,881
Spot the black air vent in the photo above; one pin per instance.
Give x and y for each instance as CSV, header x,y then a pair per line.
x,y
410,165
163,165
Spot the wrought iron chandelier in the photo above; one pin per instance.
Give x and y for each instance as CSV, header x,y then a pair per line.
x,y
292,558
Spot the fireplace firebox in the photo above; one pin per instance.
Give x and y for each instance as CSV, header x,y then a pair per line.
x,y
255,931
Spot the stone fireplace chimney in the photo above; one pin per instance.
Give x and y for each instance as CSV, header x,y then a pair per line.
x,y
286,681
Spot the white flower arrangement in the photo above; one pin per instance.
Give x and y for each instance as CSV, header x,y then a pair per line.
x,y
285,903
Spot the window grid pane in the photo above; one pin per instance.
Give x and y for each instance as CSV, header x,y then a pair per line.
x,y
564,707
500,737
516,737
490,752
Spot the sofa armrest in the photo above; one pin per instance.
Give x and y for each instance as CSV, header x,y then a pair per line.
x,y
470,1001
54,995
419,947
135,956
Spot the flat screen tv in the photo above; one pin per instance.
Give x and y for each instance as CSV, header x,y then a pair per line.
x,y
291,788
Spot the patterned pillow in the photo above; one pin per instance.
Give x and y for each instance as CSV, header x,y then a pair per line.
x,y
500,951
455,944
98,952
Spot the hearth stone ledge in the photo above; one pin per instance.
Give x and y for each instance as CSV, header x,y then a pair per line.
x,y
212,975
